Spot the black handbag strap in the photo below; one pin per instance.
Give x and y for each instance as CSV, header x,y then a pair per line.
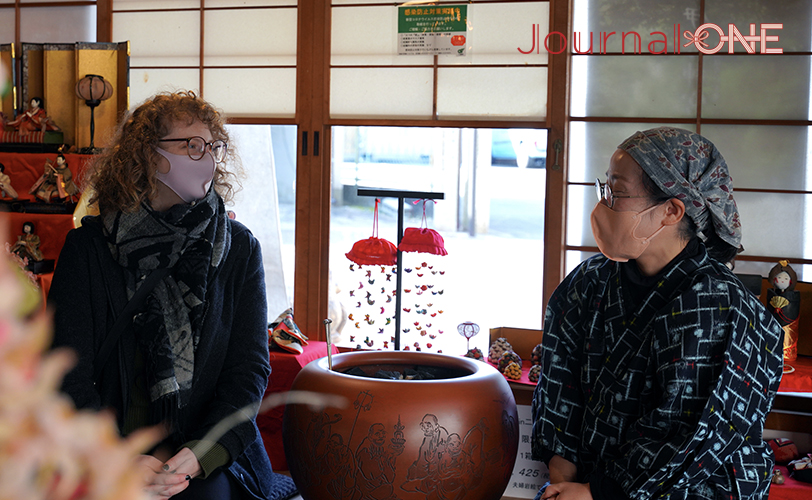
x,y
124,319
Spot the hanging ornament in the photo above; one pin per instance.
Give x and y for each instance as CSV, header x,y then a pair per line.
x,y
422,239
374,250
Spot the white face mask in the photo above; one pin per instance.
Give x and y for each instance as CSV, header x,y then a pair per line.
x,y
190,179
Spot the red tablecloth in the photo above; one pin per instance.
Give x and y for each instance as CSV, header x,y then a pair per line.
x,y
791,489
798,381
801,379
526,365
284,368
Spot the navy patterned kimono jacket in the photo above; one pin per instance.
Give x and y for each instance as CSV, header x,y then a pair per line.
x,y
662,398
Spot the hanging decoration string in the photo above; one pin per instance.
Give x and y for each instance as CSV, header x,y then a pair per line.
x,y
375,219
373,251
424,223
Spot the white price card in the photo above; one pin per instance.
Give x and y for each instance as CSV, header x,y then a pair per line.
x,y
528,474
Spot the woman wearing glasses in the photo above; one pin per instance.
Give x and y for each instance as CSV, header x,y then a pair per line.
x,y
187,282
659,366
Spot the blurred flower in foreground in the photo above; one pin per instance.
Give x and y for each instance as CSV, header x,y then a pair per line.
x,y
5,79
48,450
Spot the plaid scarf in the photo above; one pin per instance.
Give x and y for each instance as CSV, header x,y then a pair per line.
x,y
193,239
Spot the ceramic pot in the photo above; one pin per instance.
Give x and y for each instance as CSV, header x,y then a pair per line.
x,y
452,437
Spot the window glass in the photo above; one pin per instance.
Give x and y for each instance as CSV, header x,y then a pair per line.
x,y
493,80
772,222
265,204
250,37
793,37
247,3
498,31
119,5
373,45
470,92
777,87
580,202
623,16
375,92
763,156
592,145
145,83
66,24
630,86
173,38
252,91
491,219
7,25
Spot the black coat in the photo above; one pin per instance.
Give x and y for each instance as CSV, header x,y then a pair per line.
x,y
231,359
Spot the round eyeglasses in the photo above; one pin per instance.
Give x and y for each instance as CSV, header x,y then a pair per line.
x,y
196,147
604,192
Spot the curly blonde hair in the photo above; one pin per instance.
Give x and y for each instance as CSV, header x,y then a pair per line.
x,y
123,175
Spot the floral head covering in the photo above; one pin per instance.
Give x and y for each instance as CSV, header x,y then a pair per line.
x,y
688,167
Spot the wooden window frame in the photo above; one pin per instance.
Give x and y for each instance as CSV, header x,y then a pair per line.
x,y
313,192
696,121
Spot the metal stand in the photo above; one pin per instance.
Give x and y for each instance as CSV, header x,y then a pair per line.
x,y
400,195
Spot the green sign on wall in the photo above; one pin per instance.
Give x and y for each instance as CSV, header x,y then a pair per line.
x,y
432,29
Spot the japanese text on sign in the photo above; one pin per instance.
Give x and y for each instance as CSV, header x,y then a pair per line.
x,y
432,30
528,474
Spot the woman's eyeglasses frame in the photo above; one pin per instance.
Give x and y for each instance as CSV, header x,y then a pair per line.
x,y
217,148
604,192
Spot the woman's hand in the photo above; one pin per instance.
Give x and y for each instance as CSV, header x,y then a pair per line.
x,y
184,462
568,491
561,470
158,482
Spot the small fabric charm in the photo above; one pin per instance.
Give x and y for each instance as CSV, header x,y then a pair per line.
x,y
284,333
784,450
801,469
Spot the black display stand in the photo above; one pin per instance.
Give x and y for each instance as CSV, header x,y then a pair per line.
x,y
401,196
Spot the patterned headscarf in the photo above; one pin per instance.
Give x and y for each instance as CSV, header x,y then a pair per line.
x,y
688,167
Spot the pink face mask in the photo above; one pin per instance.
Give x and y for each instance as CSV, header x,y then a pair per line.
x,y
190,179
614,232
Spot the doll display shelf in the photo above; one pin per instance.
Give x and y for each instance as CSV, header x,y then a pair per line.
x,y
52,221
30,206
34,142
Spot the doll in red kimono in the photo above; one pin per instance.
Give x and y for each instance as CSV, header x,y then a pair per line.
x,y
33,120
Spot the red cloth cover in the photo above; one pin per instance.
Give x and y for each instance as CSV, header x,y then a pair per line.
x,y
284,368
374,252
792,489
801,379
422,240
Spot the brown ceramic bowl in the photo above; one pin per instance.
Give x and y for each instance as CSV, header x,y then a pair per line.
x,y
451,437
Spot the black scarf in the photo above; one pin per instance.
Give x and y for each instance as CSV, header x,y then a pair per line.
x,y
193,239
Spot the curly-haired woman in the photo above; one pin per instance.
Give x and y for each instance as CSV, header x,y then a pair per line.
x,y
191,349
